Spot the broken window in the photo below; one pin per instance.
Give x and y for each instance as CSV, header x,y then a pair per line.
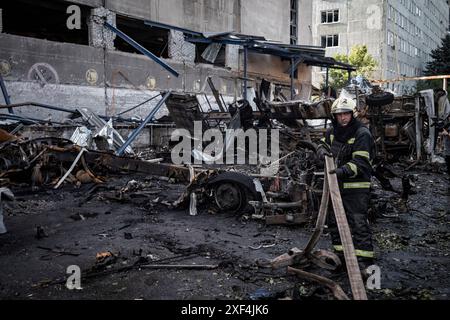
x,y
154,39
44,20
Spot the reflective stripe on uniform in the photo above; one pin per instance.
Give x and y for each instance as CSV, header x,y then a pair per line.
x,y
357,185
351,141
363,154
365,254
359,253
354,168
331,138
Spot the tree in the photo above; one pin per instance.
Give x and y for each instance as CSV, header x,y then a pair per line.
x,y
440,65
360,58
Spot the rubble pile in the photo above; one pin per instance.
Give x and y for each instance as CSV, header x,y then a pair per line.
x,y
223,208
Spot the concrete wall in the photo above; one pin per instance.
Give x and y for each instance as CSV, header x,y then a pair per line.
x,y
90,3
304,82
271,19
305,22
267,66
266,18
262,66
69,70
198,15
59,62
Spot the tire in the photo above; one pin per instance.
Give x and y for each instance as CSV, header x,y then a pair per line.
x,y
244,187
234,203
379,99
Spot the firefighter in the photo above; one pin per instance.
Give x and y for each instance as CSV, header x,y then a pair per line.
x,y
352,146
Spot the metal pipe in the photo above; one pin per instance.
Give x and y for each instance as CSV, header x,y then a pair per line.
x,y
275,205
412,78
245,71
5,94
223,101
17,129
207,100
18,118
215,94
170,27
141,49
327,82
26,119
136,132
46,106
418,130
37,104
292,78
140,104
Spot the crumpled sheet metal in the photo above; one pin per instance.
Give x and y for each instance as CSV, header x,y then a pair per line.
x,y
104,129
107,132
82,137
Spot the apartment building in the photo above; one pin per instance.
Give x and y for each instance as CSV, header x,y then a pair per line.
x,y
399,34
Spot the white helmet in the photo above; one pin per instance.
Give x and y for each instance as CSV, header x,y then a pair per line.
x,y
343,105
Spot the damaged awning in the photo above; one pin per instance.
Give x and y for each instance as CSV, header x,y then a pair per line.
x,y
309,55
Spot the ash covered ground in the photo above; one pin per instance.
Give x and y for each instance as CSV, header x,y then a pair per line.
x,y
116,233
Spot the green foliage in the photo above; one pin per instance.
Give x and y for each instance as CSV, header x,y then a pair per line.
x,y
430,84
359,57
440,65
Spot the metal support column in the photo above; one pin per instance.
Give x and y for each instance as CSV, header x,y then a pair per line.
x,y
245,71
138,130
5,94
292,78
327,82
418,130
141,49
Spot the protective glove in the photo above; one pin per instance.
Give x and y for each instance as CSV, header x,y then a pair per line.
x,y
340,173
323,151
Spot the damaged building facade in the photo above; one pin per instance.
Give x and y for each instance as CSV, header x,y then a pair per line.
x,y
42,60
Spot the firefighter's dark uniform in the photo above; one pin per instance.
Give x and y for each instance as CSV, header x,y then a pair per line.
x,y
354,157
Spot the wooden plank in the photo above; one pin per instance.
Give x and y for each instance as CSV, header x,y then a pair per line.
x,y
354,273
320,218
333,286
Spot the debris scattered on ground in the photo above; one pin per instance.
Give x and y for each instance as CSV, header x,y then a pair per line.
x,y
214,230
